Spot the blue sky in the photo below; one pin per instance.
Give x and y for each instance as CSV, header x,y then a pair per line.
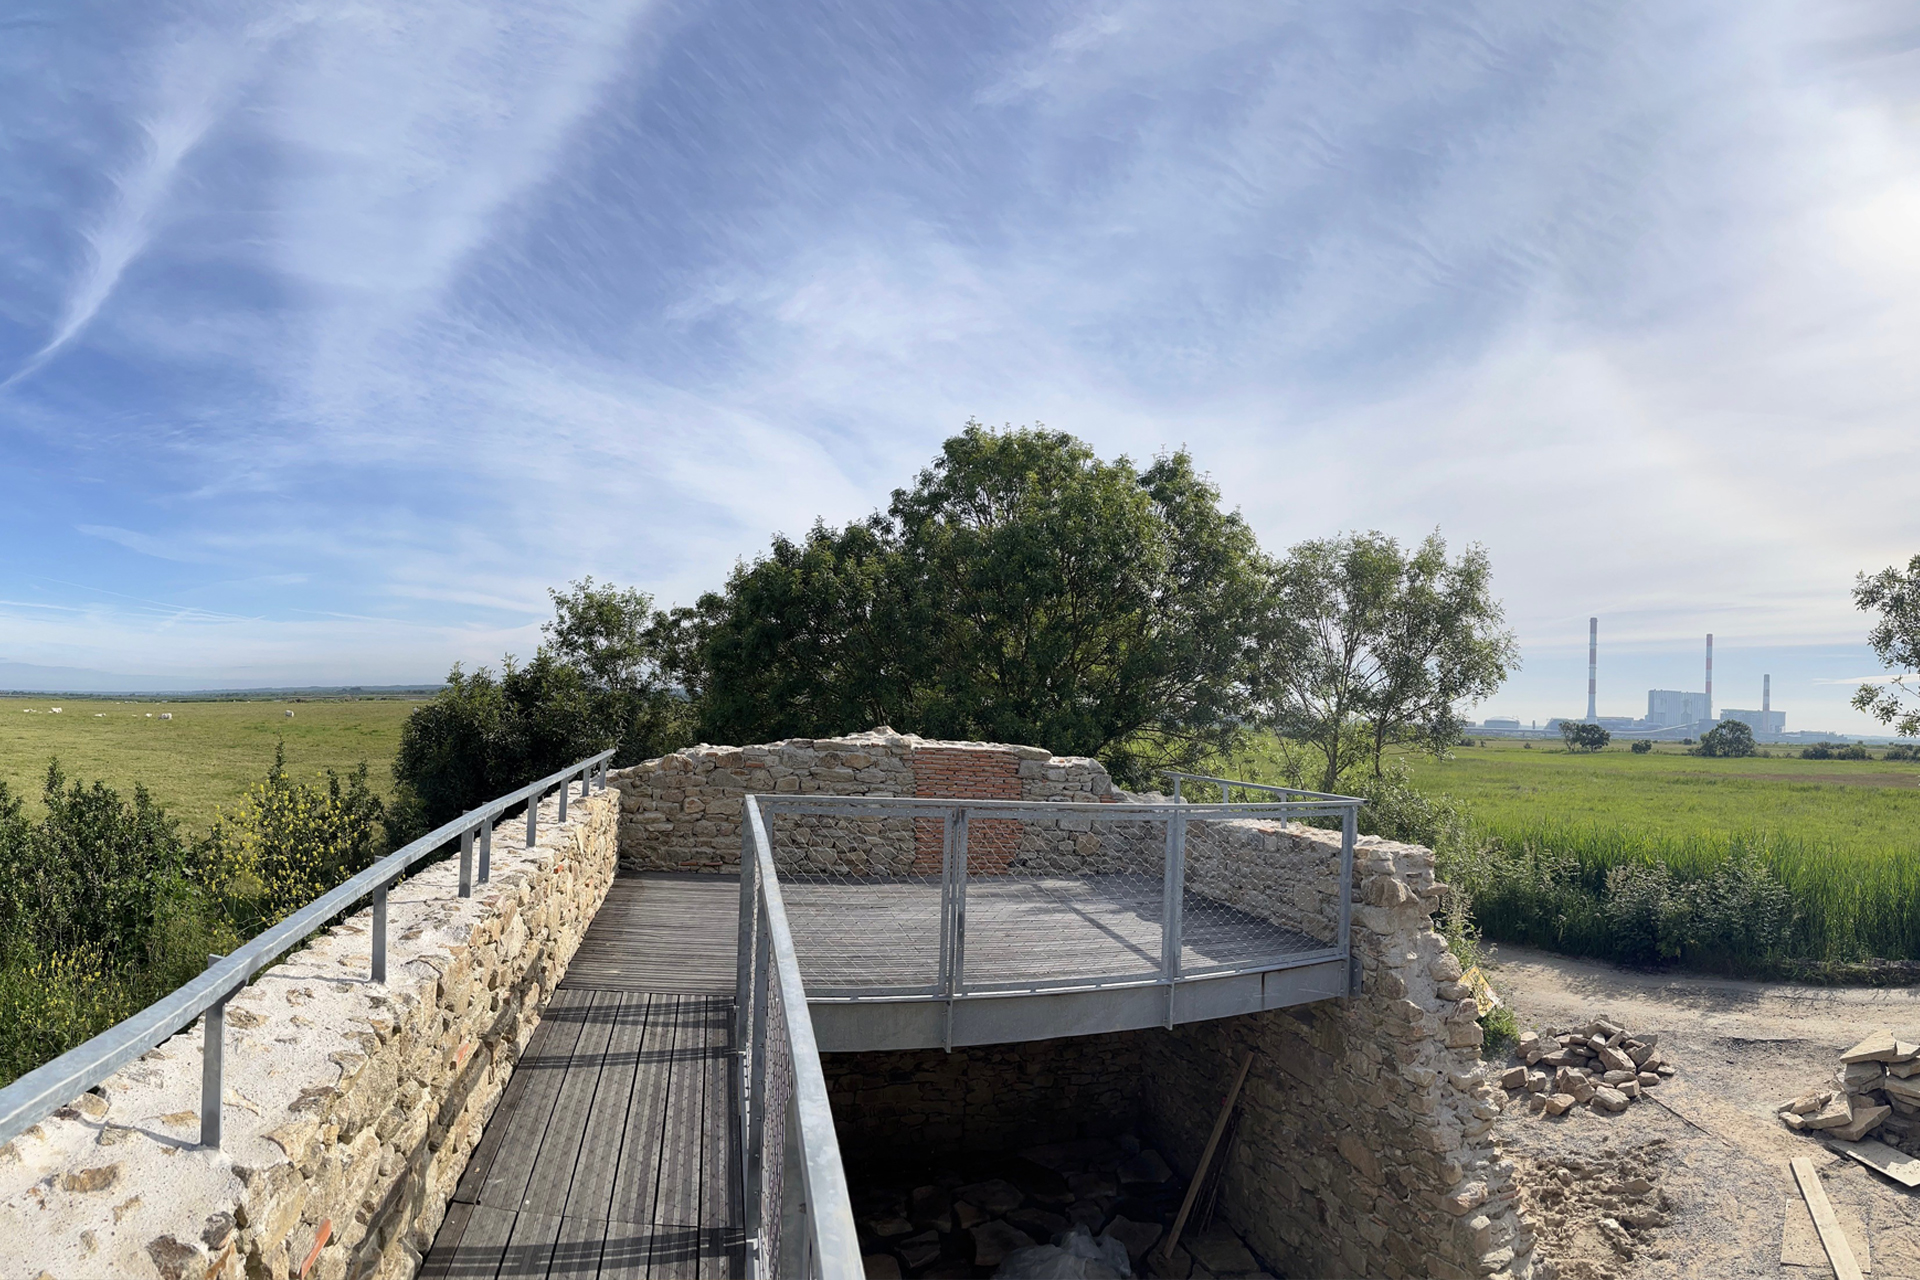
x,y
331,335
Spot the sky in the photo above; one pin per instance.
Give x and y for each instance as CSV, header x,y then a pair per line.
x,y
331,336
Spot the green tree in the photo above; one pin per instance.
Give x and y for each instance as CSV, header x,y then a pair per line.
x,y
1895,595
1728,738
1584,737
1021,590
481,737
1369,644
613,637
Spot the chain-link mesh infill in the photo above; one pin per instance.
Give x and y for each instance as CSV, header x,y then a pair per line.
x,y
879,903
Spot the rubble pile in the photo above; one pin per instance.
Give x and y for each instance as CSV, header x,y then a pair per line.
x,y
1601,1065
1875,1090
1103,1204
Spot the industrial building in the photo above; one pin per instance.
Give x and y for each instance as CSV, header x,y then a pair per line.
x,y
1675,713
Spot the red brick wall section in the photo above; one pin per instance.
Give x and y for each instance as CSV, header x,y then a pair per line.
x,y
966,773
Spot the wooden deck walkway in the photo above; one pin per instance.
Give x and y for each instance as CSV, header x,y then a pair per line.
x,y
614,1151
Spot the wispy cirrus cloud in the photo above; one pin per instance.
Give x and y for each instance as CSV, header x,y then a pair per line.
x,y
436,305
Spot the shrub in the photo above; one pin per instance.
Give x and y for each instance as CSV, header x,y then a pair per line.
x,y
1584,737
481,737
1902,751
1729,738
288,843
1643,746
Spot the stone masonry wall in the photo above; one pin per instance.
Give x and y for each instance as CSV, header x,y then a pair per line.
x,y
350,1108
985,1097
1365,1142
682,811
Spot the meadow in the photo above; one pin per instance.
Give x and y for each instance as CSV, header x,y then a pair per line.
x,y
1756,865
205,757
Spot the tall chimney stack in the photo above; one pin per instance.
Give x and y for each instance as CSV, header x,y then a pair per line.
x,y
1593,660
1766,693
1709,675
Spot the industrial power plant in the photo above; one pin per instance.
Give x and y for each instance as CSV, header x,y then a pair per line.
x,y
1672,714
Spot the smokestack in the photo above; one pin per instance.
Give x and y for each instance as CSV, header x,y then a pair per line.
x,y
1593,660
1709,675
1766,693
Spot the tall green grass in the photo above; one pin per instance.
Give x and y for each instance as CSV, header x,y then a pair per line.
x,y
1731,901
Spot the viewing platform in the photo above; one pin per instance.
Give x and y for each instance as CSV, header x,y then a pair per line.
x,y
667,1114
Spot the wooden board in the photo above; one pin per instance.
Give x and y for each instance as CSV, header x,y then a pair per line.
x,y
1832,1238
1800,1240
1881,1158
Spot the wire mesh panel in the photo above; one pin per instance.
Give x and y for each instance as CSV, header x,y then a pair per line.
x,y
864,899
1253,893
778,1091
1071,897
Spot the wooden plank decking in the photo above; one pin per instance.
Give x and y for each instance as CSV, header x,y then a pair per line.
x,y
614,1151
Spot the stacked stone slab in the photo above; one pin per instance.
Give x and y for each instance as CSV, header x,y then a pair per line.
x,y
1876,1090
350,1108
1600,1065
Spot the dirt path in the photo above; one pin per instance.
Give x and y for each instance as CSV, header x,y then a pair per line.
x,y
1714,1155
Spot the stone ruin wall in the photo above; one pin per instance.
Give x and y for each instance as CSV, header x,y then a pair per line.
x,y
1365,1145
682,811
350,1109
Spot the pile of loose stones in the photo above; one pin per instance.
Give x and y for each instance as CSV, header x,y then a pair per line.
x,y
1876,1087
1601,1065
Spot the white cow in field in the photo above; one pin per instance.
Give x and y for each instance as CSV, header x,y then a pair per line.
x,y
289,715
55,710
166,715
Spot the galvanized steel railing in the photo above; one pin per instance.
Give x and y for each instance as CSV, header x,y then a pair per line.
x,y
35,1095
799,1216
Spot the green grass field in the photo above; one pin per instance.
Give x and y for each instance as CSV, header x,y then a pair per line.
x,y
1641,857
1863,806
206,756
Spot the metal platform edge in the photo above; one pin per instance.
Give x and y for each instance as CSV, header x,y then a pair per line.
x,y
870,1025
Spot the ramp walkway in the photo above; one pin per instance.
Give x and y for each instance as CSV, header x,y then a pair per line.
x,y
615,1150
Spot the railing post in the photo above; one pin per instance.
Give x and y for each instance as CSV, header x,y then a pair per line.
x,y
212,1062
466,863
566,785
486,851
379,966
533,819
1173,906
1349,828
743,961
956,858
756,1134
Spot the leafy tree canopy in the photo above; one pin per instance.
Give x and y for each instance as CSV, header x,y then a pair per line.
x,y
1023,590
1367,643
1728,738
1584,737
1894,594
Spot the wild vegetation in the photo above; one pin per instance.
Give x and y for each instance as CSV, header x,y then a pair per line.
x,y
1744,864
106,904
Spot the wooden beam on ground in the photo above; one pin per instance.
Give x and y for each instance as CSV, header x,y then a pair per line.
x,y
1206,1157
1832,1238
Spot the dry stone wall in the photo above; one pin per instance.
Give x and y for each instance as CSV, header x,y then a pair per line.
x,y
1365,1143
682,811
350,1108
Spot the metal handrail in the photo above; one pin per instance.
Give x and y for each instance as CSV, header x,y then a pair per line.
x,y
36,1094
954,985
1223,783
817,1237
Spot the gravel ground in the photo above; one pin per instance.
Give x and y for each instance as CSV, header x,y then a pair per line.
x,y
1718,1193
